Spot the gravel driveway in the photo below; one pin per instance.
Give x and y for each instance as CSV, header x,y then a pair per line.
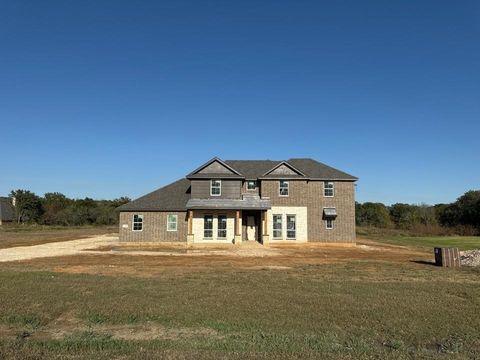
x,y
62,248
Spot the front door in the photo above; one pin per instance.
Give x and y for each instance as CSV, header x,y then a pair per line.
x,y
251,228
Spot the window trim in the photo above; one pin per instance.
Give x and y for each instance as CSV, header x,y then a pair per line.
x,y
332,222
325,188
281,227
255,183
169,222
286,224
280,188
133,222
219,187
205,216
218,227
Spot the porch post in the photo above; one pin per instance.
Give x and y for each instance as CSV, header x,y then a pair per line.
x,y
190,227
265,236
238,234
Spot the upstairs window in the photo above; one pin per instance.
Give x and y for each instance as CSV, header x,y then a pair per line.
x,y
172,222
283,186
328,189
215,187
137,224
251,185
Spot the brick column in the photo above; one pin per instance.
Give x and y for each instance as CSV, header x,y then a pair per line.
x,y
238,233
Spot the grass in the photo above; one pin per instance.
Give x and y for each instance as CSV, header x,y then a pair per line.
x,y
383,303
356,310
461,242
26,235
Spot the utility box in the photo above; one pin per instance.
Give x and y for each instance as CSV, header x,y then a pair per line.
x,y
447,257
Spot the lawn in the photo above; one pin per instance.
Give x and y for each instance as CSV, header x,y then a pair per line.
x,y
26,235
193,308
425,242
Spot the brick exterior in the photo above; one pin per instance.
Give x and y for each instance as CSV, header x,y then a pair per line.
x,y
154,227
310,194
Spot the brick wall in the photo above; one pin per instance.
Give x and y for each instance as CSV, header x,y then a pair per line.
x,y
154,227
310,194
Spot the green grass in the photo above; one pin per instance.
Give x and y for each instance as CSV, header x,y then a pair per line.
x,y
461,242
357,310
399,238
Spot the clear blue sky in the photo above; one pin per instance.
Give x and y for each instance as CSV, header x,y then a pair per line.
x,y
112,98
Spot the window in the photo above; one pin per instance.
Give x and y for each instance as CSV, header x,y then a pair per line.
x,y
172,222
137,224
251,185
328,189
222,227
215,187
291,227
283,188
329,224
208,226
277,226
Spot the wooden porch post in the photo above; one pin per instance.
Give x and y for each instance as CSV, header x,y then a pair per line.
x,y
265,224
238,235
237,223
190,221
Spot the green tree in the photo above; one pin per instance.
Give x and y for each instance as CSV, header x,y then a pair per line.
x,y
53,205
28,207
372,214
404,215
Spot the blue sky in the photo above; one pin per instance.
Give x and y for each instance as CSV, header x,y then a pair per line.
x,y
112,98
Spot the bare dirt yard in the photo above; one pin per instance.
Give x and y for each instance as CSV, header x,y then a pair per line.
x,y
96,298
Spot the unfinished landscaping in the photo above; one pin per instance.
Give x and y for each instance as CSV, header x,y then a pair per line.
x,y
107,299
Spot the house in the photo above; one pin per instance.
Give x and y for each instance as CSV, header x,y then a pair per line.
x,y
7,213
233,201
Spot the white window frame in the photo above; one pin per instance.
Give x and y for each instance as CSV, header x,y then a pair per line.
x,y
286,225
219,187
139,216
255,185
172,222
325,183
281,227
206,237
218,227
280,188
332,221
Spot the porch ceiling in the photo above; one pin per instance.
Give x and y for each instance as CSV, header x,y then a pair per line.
x,y
229,204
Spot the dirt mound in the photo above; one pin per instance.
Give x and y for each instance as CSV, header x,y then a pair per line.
x,y
470,257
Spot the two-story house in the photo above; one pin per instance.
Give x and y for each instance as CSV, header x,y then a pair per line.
x,y
233,201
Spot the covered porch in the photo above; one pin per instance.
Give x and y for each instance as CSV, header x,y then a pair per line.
x,y
228,221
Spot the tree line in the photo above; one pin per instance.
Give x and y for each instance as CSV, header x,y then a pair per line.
x,y
56,209
460,217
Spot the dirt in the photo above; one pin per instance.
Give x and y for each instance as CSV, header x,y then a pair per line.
x,y
69,325
61,248
161,263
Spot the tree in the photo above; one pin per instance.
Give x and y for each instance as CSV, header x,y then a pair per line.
x,y
53,205
404,215
372,214
28,207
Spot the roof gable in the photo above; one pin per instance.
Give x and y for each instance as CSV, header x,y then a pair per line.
x,y
214,168
283,169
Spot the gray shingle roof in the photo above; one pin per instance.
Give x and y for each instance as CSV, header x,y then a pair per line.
x,y
7,212
253,169
317,170
229,204
172,197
